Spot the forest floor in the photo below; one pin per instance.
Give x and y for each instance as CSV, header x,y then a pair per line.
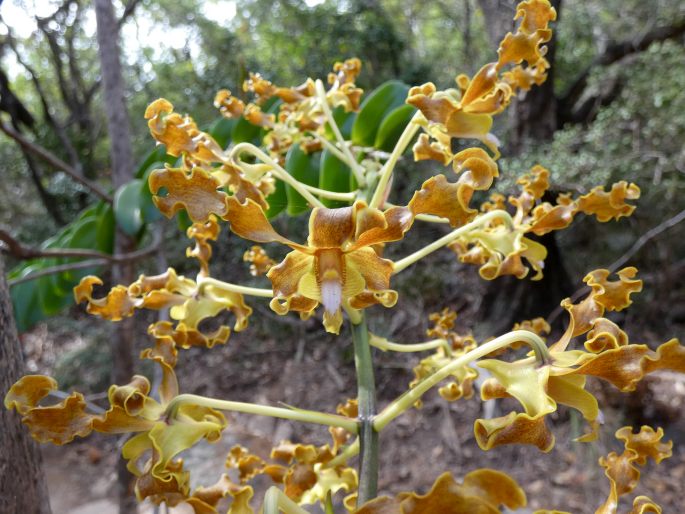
x,y
415,449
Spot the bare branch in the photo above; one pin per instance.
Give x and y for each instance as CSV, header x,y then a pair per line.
x,y
128,12
19,251
105,260
55,161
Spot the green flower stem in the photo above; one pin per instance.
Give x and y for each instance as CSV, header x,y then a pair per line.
x,y
447,239
306,416
330,147
383,344
387,169
234,288
357,170
349,452
276,169
366,400
409,398
276,501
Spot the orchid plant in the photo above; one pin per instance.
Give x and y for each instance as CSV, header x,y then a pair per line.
x,y
339,272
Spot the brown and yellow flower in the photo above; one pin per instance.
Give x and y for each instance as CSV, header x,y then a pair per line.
x,y
159,437
540,387
467,112
337,267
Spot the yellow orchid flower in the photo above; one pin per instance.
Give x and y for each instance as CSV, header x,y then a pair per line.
x,y
607,355
468,111
132,410
337,267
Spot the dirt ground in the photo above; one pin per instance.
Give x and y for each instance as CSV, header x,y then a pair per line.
x,y
313,370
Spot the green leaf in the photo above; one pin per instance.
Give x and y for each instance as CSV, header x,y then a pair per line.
x,y
392,127
149,210
305,168
156,158
128,207
278,200
25,300
245,132
336,176
106,229
344,120
221,131
374,108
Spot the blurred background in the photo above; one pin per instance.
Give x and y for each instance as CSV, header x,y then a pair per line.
x,y
612,109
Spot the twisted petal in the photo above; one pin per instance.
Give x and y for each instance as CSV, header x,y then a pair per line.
x,y
514,428
196,192
114,307
612,205
59,423
482,491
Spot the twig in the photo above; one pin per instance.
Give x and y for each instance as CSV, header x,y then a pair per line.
x,y
55,161
103,260
641,241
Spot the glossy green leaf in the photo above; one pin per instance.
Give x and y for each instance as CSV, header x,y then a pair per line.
x,y
128,207
278,200
25,300
344,120
305,168
156,158
336,176
221,130
149,210
392,127
375,107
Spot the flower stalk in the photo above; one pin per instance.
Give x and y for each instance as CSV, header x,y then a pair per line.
x,y
386,172
366,398
305,416
408,399
448,238
357,170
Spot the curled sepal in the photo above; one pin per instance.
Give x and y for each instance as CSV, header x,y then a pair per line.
x,y
482,491
180,134
623,472
645,444
625,366
451,200
190,304
195,192
202,233
514,428
114,307
609,205
58,424
645,505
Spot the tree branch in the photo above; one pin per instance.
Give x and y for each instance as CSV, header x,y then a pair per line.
x,y
103,260
19,251
128,12
615,52
55,161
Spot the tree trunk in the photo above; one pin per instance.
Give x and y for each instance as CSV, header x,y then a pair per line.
x,y
22,481
122,171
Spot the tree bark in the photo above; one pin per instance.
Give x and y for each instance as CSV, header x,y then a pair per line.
x,y
122,171
22,481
